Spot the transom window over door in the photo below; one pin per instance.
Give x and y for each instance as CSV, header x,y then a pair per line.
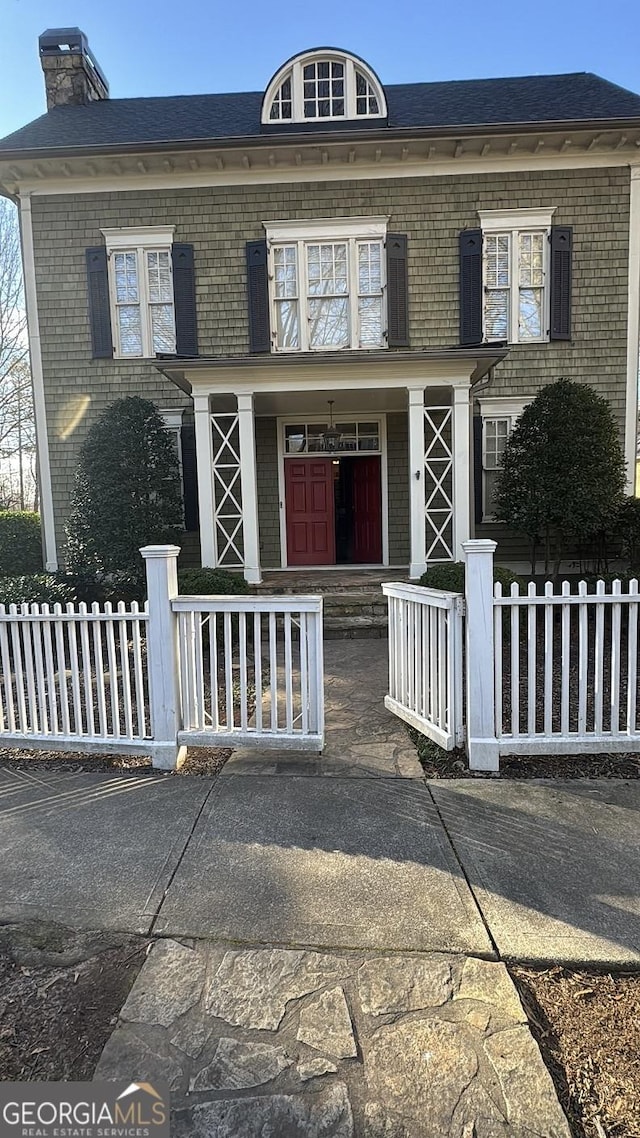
x,y
328,294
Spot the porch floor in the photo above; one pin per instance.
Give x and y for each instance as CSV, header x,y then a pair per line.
x,y
333,579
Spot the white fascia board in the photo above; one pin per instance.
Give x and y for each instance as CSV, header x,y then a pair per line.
x,y
326,227
144,235
497,220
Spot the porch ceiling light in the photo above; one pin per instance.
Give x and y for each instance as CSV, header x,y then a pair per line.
x,y
331,438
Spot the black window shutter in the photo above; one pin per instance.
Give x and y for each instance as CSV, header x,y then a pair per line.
x,y
258,296
184,299
477,467
560,306
189,476
99,308
471,286
397,291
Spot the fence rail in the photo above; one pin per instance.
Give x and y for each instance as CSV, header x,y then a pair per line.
x,y
425,660
74,678
251,669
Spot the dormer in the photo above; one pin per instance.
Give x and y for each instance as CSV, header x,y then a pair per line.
x,y
323,85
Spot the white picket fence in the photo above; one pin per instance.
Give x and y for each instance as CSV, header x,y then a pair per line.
x,y
251,667
425,661
546,673
74,678
183,671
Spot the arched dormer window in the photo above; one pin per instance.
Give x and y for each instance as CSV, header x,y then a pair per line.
x,y
325,84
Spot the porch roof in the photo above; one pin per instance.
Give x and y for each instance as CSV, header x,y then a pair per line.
x,y
473,363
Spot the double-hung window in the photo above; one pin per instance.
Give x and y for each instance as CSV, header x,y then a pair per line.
x,y
499,417
516,274
141,290
327,284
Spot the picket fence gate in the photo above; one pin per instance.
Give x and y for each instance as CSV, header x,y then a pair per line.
x,y
545,673
182,671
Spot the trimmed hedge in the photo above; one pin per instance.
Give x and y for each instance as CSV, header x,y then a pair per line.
x,y
37,588
211,582
450,577
20,543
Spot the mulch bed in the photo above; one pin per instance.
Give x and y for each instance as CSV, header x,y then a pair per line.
x,y
587,1025
60,995
437,763
200,761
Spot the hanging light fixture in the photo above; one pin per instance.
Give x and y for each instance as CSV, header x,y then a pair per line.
x,y
331,438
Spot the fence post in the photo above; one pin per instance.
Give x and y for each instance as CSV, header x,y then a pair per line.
x,y
483,748
162,655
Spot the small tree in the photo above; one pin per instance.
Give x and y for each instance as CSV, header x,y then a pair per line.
x,y
563,471
127,490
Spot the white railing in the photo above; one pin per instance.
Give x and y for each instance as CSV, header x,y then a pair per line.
x,y
251,670
425,660
566,669
74,678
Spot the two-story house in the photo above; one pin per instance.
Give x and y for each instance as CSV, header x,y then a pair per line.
x,y
341,294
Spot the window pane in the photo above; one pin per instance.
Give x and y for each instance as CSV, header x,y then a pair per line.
x,y
496,433
163,332
328,323
497,260
370,313
368,438
530,314
327,269
285,263
315,431
369,267
349,436
531,253
130,330
159,273
496,315
295,439
490,481
287,324
126,275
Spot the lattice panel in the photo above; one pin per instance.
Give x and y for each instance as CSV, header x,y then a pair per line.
x,y
227,491
438,483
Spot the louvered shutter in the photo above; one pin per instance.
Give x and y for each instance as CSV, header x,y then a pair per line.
x,y
397,291
258,297
184,299
560,299
471,286
99,307
477,468
189,476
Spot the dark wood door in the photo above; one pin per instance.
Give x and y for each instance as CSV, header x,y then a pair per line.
x,y
367,511
309,500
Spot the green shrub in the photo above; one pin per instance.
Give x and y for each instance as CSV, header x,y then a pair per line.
x,y
36,588
628,530
20,543
450,577
211,582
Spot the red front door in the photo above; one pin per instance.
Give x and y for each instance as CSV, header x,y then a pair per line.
x,y
367,511
309,500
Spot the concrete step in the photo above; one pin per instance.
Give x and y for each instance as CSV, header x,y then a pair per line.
x,y
355,627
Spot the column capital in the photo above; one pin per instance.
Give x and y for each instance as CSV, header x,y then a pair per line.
x,y
245,401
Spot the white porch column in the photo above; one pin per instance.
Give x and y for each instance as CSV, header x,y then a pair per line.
x,y
461,466
251,538
417,520
204,463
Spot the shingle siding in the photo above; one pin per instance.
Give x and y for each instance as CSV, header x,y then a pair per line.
x,y
219,221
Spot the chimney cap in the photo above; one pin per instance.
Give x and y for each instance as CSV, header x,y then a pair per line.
x,y
69,41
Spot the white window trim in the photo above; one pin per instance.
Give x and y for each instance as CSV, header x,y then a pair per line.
x,y
497,408
511,222
136,240
294,69
302,233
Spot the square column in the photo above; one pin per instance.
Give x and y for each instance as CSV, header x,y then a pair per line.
x,y
204,464
418,563
251,537
461,467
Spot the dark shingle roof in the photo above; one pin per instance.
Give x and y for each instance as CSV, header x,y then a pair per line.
x,y
579,97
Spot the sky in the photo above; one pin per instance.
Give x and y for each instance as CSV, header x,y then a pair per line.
x,y
165,47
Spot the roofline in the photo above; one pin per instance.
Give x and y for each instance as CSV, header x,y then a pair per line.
x,y
307,137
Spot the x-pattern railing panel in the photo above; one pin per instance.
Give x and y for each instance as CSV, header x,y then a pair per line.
x,y
438,486
227,489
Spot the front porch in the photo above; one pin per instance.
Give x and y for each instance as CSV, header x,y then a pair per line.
x,y
334,463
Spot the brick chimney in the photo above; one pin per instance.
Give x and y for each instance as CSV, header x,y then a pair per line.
x,y
72,75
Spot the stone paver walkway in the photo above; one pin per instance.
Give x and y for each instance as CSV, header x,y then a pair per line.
x,y
300,1043
363,739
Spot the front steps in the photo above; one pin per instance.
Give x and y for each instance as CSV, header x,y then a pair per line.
x,y
354,605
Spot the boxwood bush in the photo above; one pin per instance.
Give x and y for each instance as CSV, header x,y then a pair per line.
x,y
211,582
450,577
37,588
20,543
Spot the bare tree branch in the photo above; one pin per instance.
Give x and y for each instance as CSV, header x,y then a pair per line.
x,y
17,429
